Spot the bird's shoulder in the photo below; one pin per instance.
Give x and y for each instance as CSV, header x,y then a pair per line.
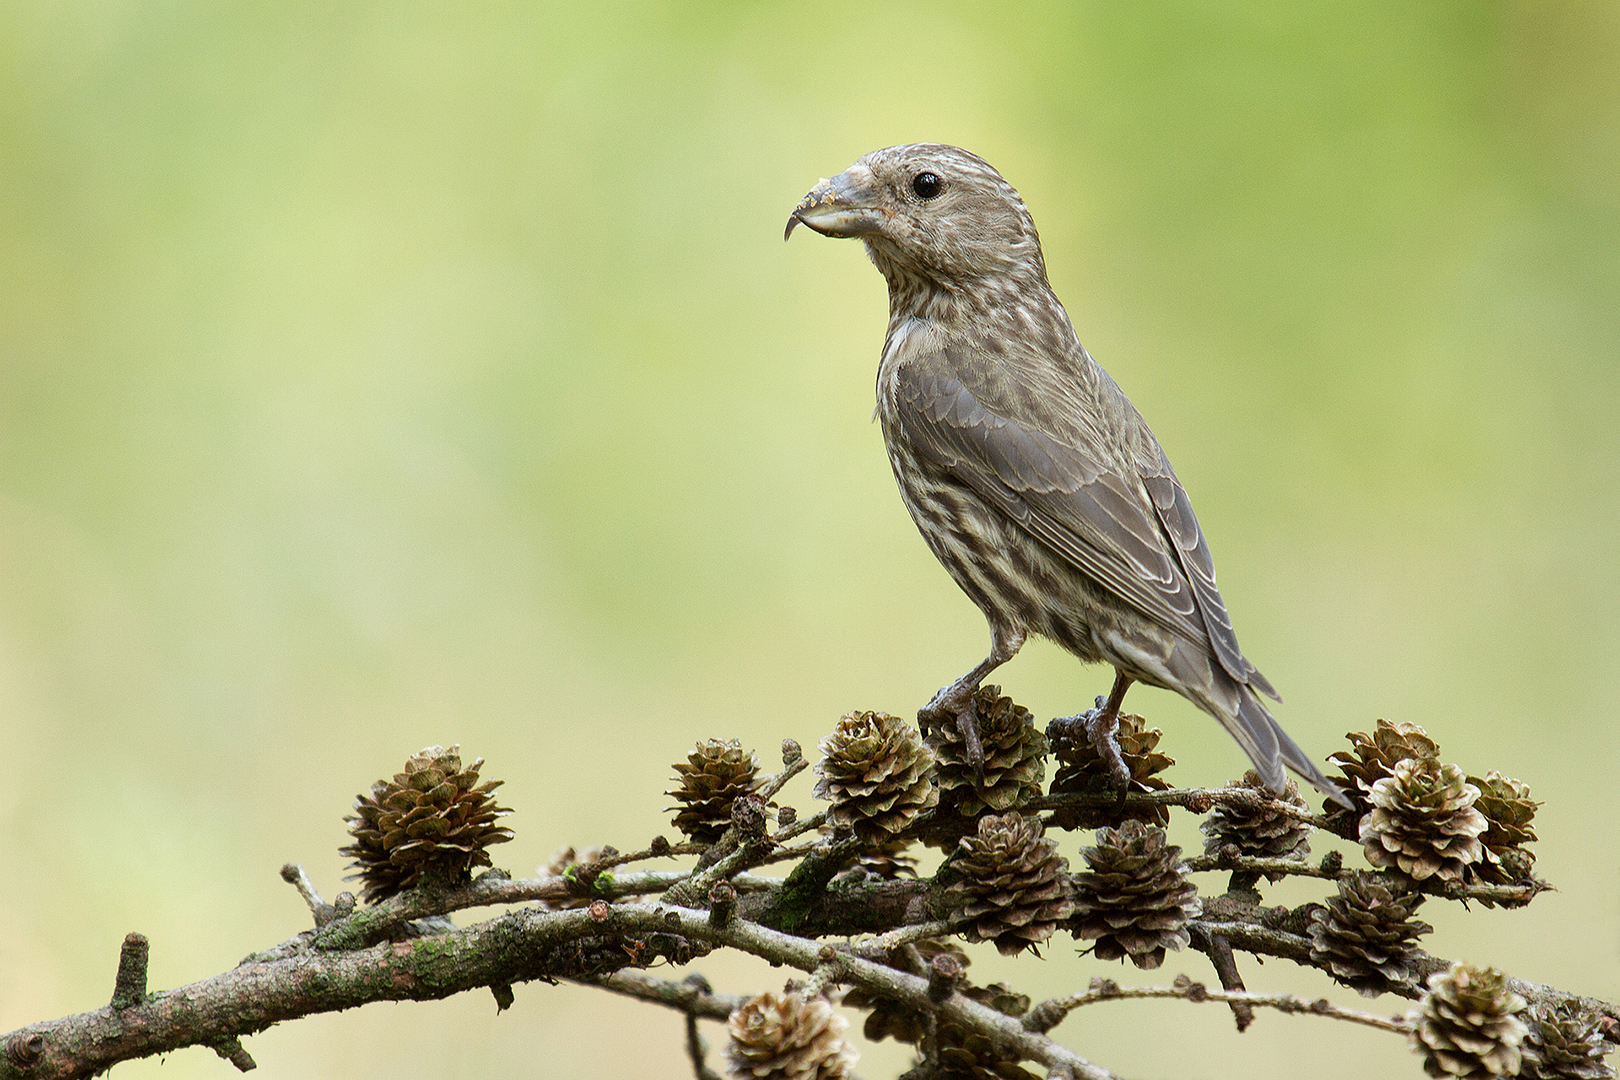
x,y
1038,387
1050,437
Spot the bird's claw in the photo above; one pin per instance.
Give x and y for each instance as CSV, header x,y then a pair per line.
x,y
1101,730
949,703
954,703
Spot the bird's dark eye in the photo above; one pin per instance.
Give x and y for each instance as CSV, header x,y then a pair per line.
x,y
927,185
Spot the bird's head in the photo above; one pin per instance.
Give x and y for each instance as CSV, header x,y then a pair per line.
x,y
928,211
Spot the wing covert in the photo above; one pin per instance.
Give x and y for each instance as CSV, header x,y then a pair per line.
x,y
1175,513
1060,491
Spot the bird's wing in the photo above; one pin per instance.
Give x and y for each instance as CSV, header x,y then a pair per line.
x,y
1175,513
1060,490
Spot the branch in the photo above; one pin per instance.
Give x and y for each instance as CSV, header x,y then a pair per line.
x,y
519,946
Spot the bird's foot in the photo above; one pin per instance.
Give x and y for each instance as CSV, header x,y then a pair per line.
x,y
954,705
947,704
1098,726
1073,727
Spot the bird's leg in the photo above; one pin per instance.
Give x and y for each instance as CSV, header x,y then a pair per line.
x,y
1101,728
956,700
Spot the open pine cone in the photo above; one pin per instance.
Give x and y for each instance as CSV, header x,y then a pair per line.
x,y
1014,757
965,1055
878,774
1564,1043
1136,899
1265,832
1370,759
784,1037
713,777
888,861
1013,884
1081,769
1423,821
1468,1024
1508,808
1366,936
433,819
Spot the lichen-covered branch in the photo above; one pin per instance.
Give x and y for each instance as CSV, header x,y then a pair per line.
x,y
516,947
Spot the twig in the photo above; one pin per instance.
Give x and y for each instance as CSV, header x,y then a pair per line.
x,y
519,946
696,1047
684,996
826,972
1048,1014
793,763
1512,895
876,948
1220,954
885,981
653,851
307,975
1255,865
801,826
1198,800
787,854
749,845
294,875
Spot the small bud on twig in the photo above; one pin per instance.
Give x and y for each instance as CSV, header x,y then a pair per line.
x,y
23,1049
748,815
234,1052
944,973
129,988
722,904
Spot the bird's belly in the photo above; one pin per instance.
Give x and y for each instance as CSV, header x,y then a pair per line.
x,y
1013,578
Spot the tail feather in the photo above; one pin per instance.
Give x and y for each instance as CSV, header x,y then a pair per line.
x,y
1270,748
1251,726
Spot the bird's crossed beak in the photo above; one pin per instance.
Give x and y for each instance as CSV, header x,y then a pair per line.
x,y
844,206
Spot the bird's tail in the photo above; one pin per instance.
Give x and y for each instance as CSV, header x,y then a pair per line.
x,y
1270,748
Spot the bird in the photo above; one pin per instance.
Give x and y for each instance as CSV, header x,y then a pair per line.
x,y
1032,477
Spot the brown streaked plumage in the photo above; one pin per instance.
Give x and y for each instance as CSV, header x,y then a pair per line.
x,y
1032,477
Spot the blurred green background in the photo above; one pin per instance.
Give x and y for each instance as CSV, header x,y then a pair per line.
x,y
376,375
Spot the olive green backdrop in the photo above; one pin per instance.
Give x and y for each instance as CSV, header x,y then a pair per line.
x,y
376,375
